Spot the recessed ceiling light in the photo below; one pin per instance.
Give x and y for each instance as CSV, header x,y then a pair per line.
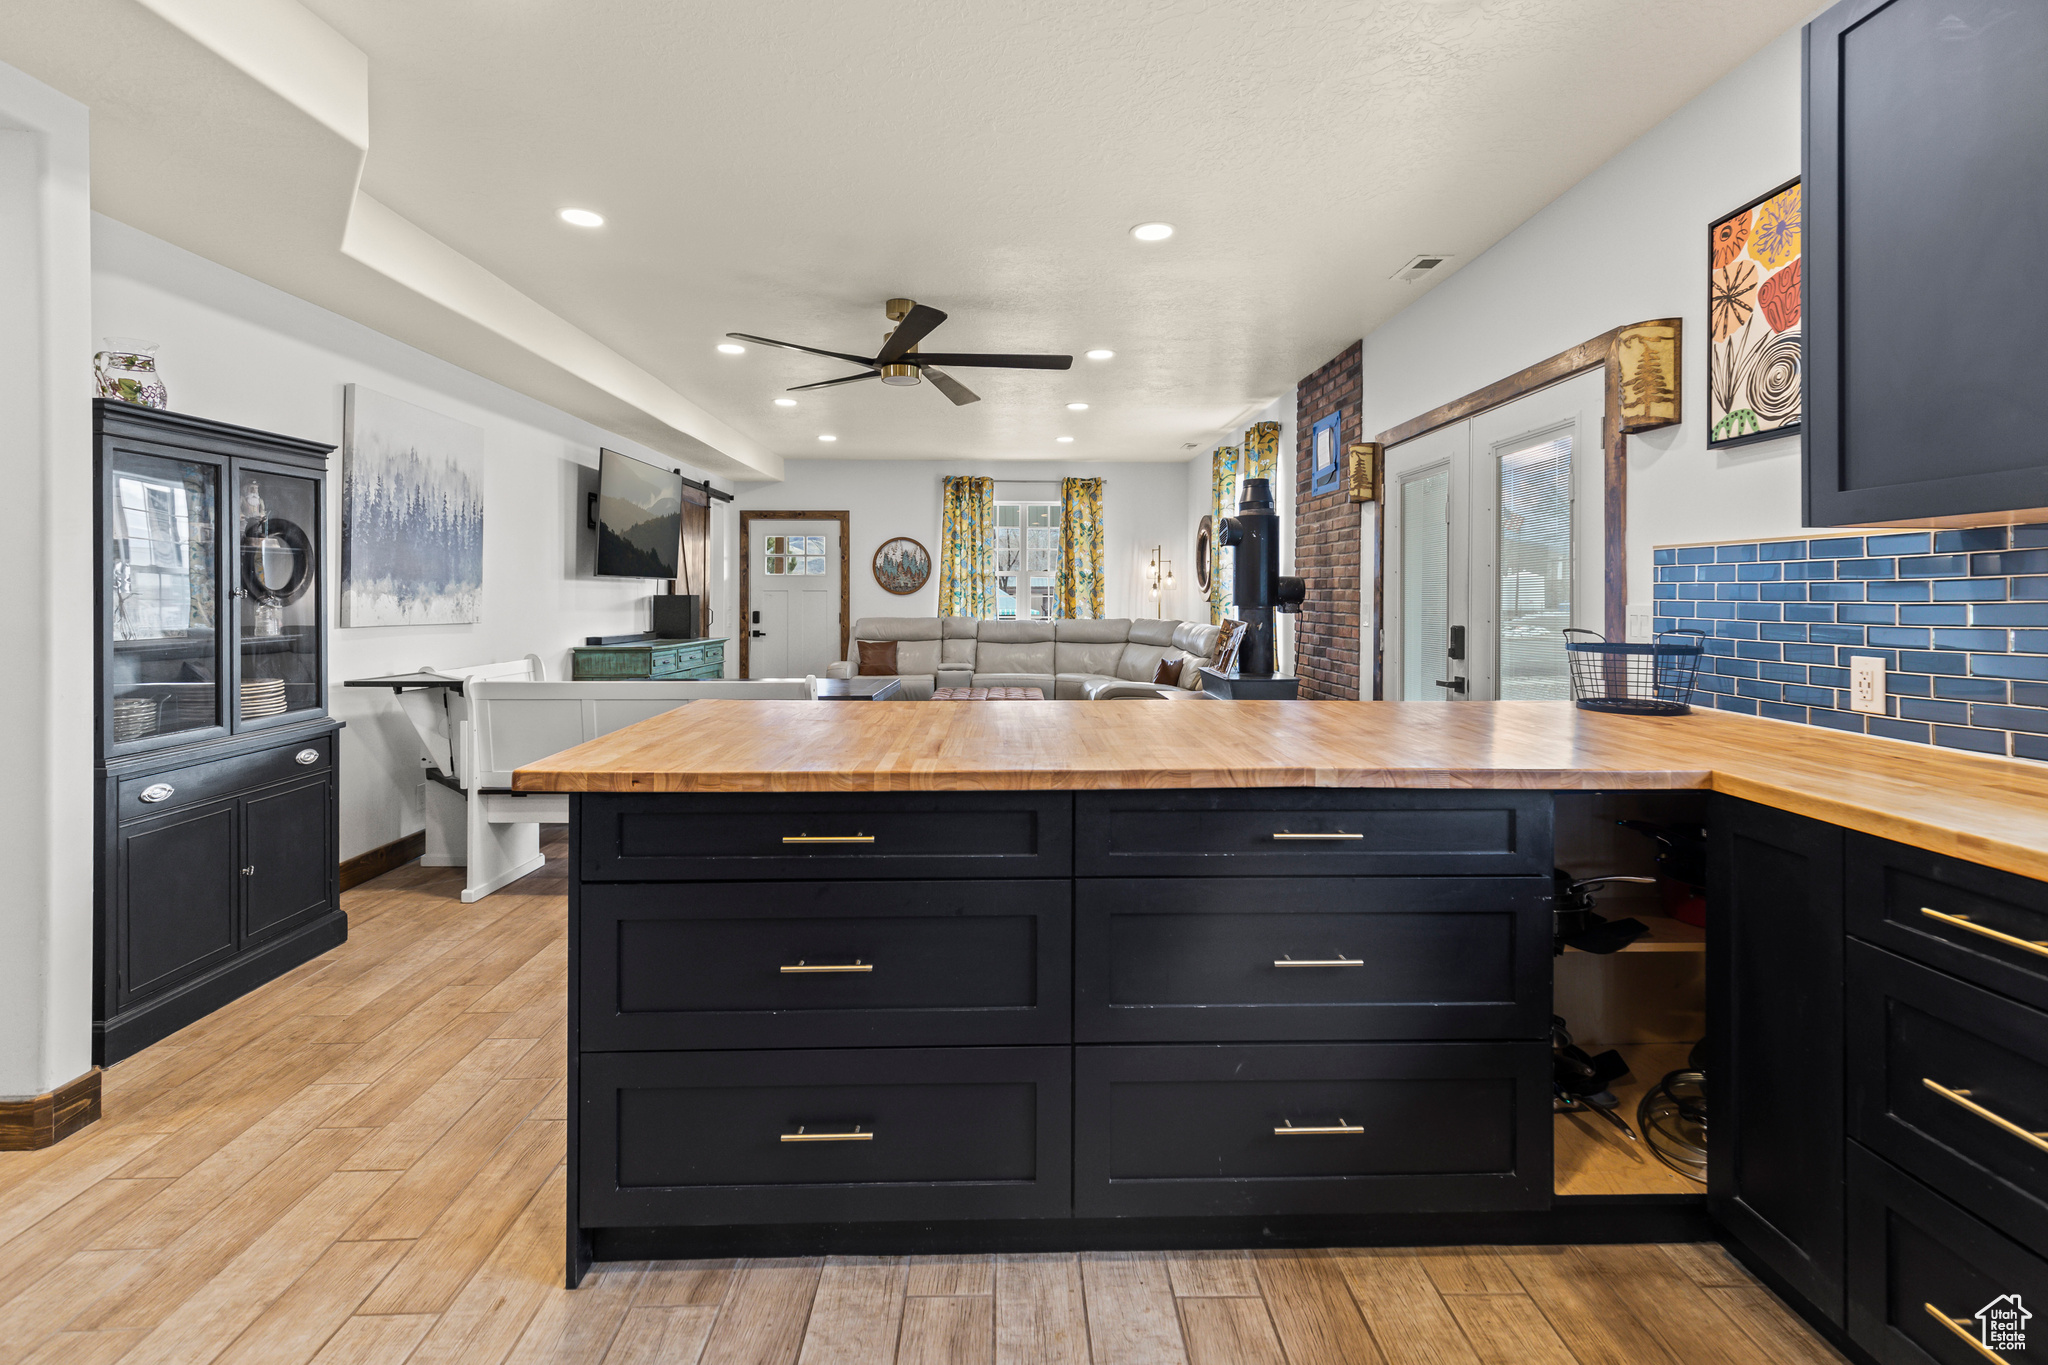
x,y
582,218
1102,355
1152,232
1077,407
785,402
1064,440
828,437
731,348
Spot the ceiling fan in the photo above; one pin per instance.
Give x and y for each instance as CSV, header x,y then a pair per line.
x,y
899,362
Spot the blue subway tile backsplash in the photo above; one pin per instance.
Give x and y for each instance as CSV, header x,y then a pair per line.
x,y
1960,619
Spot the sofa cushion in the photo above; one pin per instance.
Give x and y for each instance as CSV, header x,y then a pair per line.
x,y
1042,681
1196,637
1191,672
1147,631
1167,674
1138,662
1014,647
920,657
1109,630
956,648
877,658
1015,632
896,628
1077,656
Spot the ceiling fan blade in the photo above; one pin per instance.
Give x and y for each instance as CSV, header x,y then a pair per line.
x,y
792,346
951,387
849,379
997,362
917,324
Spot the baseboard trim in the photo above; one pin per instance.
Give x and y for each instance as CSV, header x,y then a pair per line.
x,y
28,1125
383,858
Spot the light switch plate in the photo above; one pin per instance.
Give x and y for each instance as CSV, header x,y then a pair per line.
x,y
1640,624
1866,685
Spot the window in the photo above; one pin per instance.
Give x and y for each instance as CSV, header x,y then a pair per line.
x,y
1027,550
793,555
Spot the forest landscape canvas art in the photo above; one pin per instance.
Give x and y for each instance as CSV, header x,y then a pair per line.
x,y
412,515
1753,338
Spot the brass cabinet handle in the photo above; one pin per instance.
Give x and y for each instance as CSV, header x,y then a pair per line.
x,y
1338,961
1338,1129
1961,1327
828,838
1962,1099
1284,834
801,967
2009,940
855,1136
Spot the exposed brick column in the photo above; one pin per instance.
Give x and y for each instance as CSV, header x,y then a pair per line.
x,y
1326,548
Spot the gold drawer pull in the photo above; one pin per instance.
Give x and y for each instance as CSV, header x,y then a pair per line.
x,y
855,1136
1961,1327
828,838
800,967
1338,961
2009,940
1962,1098
1338,1129
1284,834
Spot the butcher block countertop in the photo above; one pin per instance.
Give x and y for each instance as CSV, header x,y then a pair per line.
x,y
1986,810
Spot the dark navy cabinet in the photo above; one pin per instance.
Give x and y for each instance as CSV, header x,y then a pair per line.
x,y
1925,306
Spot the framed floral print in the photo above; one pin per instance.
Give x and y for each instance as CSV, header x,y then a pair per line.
x,y
1754,368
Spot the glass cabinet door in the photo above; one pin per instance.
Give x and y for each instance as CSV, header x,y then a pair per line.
x,y
277,585
164,663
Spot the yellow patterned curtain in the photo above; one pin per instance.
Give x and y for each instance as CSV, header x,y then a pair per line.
x,y
1262,451
967,556
1222,560
1080,579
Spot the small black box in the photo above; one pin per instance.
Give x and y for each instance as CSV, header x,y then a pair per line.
x,y
677,616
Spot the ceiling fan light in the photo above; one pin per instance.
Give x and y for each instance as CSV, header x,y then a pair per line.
x,y
1102,354
1152,232
731,348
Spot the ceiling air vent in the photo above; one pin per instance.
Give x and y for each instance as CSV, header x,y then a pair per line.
x,y
1421,266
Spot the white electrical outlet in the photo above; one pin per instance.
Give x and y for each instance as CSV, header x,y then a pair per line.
x,y
1639,624
1866,685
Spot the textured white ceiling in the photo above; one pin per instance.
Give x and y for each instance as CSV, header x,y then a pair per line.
x,y
783,166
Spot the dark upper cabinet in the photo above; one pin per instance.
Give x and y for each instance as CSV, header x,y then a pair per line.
x,y
1774,992
1926,225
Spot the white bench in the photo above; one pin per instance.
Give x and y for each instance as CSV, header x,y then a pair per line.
x,y
503,716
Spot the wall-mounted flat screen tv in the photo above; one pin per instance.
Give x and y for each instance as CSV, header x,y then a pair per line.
x,y
639,517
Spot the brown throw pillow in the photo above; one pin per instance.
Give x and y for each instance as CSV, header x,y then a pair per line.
x,y
1168,671
877,658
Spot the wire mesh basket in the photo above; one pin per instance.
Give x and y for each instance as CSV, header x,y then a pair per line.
x,y
1655,679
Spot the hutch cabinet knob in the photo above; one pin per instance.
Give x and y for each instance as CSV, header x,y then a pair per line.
x,y
158,791
305,756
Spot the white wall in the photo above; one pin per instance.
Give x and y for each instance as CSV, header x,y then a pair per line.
x,y
1625,244
46,560
1142,505
243,352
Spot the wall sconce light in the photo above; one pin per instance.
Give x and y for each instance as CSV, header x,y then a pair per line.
x,y
1363,470
1158,575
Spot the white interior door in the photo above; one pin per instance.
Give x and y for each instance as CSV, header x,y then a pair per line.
x,y
1522,491
793,598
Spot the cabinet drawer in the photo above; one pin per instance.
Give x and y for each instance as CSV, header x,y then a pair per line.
x,y
1190,1130
1312,833
221,777
1911,1030
1921,1269
1186,959
1911,901
751,964
691,836
703,1138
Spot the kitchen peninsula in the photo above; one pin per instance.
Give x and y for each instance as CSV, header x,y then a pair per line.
x,y
916,978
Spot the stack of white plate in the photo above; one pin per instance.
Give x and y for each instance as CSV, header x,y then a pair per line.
x,y
191,706
134,717
262,697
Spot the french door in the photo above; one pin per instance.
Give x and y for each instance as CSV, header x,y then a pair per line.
x,y
1493,548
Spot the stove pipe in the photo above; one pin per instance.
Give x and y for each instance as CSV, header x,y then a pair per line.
x,y
1255,533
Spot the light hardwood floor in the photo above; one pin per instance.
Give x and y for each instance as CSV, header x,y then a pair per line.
x,y
361,1164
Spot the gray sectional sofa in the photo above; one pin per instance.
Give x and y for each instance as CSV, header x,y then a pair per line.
x,y
1067,660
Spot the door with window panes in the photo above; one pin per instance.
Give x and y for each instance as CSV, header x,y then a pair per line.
x,y
1027,556
1494,532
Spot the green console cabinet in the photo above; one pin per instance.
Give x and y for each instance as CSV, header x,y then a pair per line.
x,y
657,660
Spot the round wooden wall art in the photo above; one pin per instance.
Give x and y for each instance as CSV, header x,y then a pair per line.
x,y
902,566
1203,548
